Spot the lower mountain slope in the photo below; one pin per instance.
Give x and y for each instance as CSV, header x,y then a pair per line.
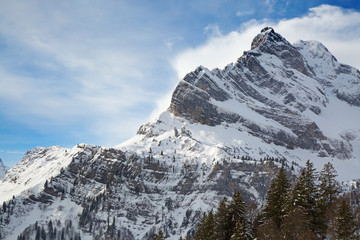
x,y
110,194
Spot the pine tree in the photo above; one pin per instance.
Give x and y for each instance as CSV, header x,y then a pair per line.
x,y
268,231
43,233
345,222
37,235
50,229
159,235
205,229
305,195
328,193
236,208
277,196
294,227
222,229
240,231
4,207
328,188
310,185
298,196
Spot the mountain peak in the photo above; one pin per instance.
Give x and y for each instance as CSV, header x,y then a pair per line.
x,y
3,169
267,29
267,34
287,85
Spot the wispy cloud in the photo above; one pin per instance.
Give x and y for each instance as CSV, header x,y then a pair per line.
x,y
80,67
245,13
270,5
212,30
170,42
12,152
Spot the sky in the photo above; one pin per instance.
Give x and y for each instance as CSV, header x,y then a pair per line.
x,y
93,71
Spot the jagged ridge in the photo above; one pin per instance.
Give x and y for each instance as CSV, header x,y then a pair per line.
x,y
279,81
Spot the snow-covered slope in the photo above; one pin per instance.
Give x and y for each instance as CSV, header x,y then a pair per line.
x,y
37,166
225,130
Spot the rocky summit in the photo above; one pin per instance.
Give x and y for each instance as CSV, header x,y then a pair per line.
x,y
225,131
288,86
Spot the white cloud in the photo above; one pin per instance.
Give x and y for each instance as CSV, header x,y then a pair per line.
x,y
216,52
245,13
270,4
169,42
338,29
212,30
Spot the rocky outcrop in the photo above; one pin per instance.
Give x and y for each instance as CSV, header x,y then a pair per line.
x,y
136,196
274,80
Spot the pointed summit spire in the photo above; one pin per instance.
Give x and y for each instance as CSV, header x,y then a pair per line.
x,y
267,34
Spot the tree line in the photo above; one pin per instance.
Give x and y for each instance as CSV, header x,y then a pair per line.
x,y
309,207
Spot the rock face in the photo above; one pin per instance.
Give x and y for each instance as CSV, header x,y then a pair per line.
x,y
133,194
225,131
281,82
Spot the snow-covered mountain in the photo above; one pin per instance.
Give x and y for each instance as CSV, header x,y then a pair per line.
x,y
3,169
225,130
294,101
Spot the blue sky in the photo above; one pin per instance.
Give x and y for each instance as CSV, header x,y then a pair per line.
x,y
94,71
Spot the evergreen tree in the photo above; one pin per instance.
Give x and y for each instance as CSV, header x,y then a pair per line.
x,y
222,229
159,235
50,229
62,234
43,233
328,192
200,232
328,188
268,231
294,227
310,185
205,229
4,207
298,195
345,222
236,209
276,199
240,231
37,235
305,195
